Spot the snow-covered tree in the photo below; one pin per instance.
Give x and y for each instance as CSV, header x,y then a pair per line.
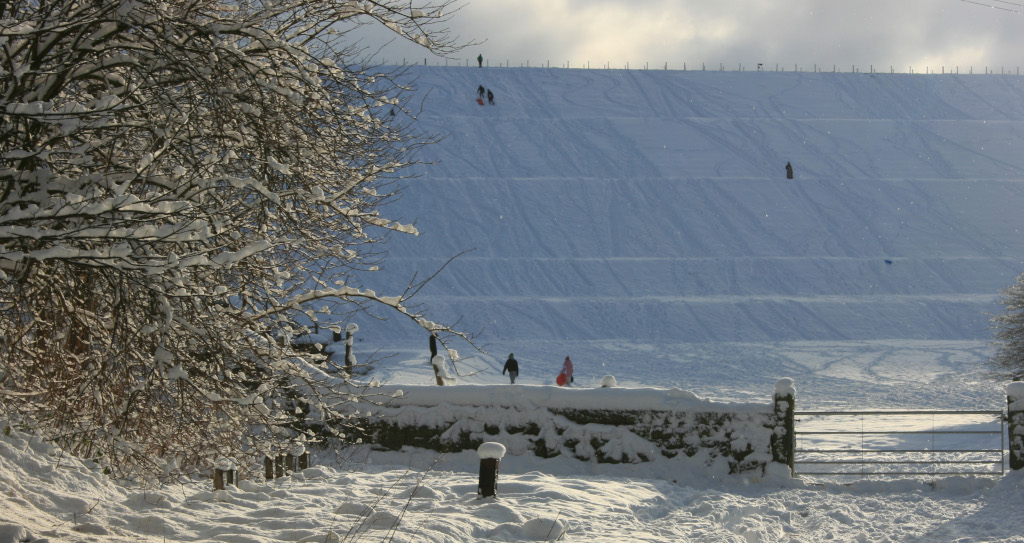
x,y
1009,331
182,185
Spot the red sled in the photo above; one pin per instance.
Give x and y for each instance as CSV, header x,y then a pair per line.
x,y
480,101
560,379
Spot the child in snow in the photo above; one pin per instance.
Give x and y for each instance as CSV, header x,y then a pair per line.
x,y
480,92
512,367
490,97
567,370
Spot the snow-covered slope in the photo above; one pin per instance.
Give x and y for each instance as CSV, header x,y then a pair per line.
x,y
640,221
643,218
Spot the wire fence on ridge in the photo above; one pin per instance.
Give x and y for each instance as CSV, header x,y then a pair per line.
x,y
719,67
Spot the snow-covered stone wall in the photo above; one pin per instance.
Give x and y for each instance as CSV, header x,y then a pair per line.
x,y
604,425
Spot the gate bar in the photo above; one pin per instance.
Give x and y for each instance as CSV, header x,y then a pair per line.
x,y
910,412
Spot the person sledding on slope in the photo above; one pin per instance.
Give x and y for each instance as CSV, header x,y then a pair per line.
x,y
480,92
512,367
565,377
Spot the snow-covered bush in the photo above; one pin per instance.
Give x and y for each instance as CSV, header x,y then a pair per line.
x,y
1009,331
180,184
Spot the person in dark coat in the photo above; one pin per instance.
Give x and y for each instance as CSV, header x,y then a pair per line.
x,y
512,367
490,97
789,171
480,60
480,92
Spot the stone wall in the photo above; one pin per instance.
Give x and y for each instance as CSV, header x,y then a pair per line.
x,y
742,436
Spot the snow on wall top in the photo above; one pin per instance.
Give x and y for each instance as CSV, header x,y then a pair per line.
x,y
553,397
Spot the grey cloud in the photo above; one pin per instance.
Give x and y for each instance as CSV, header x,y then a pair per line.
x,y
932,34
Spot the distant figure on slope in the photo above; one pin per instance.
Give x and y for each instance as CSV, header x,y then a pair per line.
x,y
490,97
565,377
480,92
480,60
512,367
789,171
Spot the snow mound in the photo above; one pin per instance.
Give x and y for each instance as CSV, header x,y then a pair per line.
x,y
542,529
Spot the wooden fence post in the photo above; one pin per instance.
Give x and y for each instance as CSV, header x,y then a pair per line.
x,y
490,453
268,468
279,466
304,461
783,440
223,473
1015,423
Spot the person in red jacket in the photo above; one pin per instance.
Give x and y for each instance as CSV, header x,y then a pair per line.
x,y
567,372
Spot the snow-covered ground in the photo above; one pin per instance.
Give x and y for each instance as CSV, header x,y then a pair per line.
x,y
415,497
641,222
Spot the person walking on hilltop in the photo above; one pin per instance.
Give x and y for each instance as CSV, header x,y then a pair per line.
x,y
512,367
480,60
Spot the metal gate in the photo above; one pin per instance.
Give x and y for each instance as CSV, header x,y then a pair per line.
x,y
899,443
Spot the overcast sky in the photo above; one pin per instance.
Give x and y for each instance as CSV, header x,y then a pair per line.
x,y
883,33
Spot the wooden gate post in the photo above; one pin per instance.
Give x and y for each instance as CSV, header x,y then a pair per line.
x,y
783,440
268,468
1015,423
490,453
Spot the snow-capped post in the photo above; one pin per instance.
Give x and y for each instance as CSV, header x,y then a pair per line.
x,y
295,457
350,359
223,472
1015,421
490,453
783,440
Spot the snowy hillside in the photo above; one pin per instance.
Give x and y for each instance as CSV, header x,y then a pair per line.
x,y
642,222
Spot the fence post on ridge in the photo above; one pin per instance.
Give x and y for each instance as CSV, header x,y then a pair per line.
x,y
1015,423
783,440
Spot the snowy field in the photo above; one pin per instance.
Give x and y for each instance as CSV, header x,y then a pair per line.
x,y
641,222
